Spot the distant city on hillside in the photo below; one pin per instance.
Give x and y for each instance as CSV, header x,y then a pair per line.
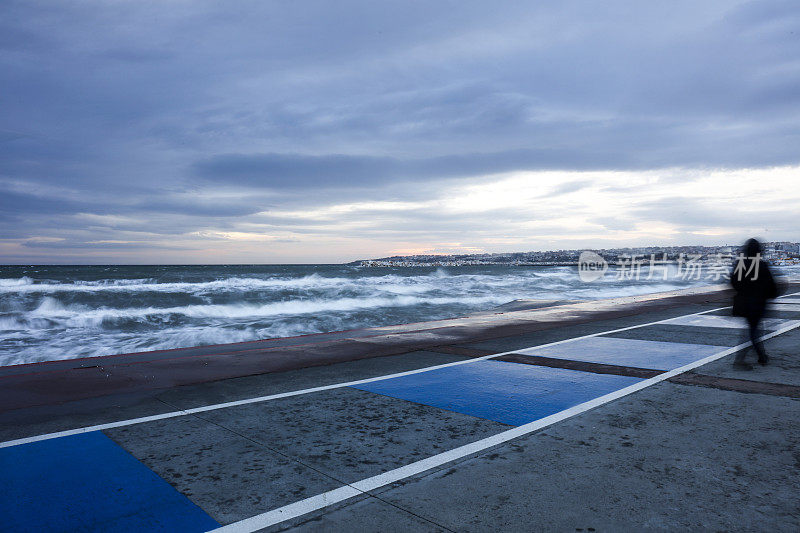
x,y
786,253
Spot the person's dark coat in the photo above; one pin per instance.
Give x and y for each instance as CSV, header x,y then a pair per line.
x,y
753,286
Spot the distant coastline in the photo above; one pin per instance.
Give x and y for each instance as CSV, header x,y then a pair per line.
x,y
780,253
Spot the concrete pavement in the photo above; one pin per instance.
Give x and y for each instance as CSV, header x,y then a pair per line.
x,y
713,448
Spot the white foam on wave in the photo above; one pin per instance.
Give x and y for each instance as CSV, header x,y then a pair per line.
x,y
82,316
240,284
147,285
43,319
15,282
116,282
314,282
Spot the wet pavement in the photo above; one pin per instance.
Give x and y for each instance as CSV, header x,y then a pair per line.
x,y
621,414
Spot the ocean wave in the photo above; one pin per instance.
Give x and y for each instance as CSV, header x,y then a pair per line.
x,y
234,284
27,285
116,282
15,282
314,282
80,315
51,315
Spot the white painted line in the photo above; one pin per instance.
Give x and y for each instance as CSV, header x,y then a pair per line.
x,y
259,399
784,306
320,501
213,407
724,322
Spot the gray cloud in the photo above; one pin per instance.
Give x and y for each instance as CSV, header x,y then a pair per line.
x,y
89,245
14,203
695,214
571,186
290,171
134,107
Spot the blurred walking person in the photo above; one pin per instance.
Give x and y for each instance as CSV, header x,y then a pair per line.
x,y
755,286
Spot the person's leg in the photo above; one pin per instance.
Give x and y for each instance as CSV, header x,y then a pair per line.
x,y
755,332
739,359
741,354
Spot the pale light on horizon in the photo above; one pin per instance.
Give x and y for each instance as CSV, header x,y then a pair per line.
x,y
517,211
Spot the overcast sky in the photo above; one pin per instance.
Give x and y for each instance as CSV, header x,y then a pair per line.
x,y
280,132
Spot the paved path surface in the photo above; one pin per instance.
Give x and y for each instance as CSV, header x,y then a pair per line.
x,y
622,414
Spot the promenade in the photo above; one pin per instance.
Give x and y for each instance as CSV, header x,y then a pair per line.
x,y
608,415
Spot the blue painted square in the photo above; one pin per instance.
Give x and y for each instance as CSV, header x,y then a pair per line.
x,y
89,483
638,353
509,393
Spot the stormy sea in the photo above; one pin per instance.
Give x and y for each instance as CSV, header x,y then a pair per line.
x,y
61,312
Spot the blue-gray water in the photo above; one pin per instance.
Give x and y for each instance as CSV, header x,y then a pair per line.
x,y
59,312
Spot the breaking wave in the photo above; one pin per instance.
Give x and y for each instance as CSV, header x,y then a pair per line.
x,y
78,315
64,312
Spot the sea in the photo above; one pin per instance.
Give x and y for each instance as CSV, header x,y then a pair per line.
x,y
62,312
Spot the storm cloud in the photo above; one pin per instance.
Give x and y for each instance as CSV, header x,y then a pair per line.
x,y
323,128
